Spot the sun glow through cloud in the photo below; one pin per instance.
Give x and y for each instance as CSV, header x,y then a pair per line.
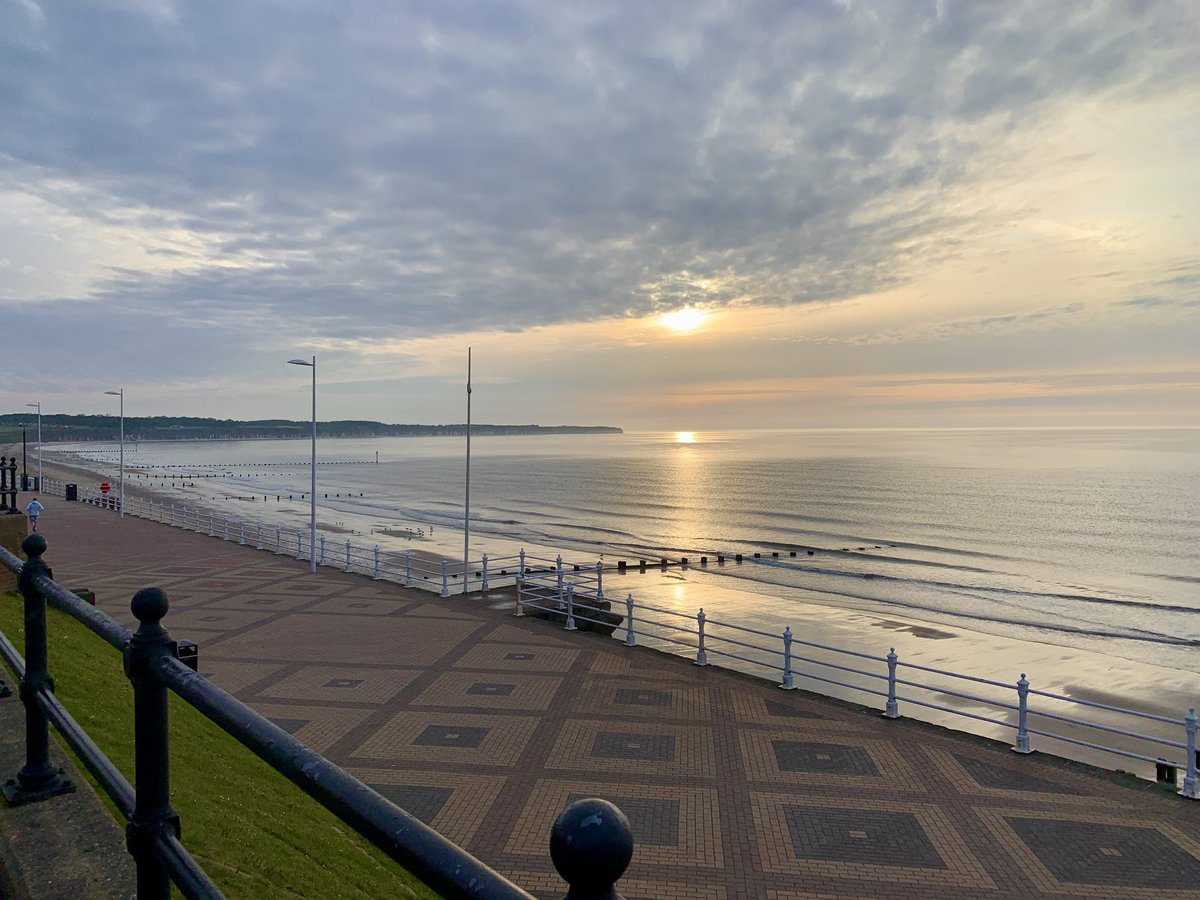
x,y
683,320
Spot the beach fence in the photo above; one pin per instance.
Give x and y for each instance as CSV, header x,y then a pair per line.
x,y
572,594
590,843
411,568
1073,727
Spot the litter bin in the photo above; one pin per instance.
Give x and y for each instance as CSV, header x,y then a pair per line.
x,y
71,492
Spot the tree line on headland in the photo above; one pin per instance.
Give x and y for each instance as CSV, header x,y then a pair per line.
x,y
187,428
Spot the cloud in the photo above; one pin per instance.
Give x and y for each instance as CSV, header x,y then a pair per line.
x,y
353,169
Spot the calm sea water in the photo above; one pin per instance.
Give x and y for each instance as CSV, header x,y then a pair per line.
x,y
1083,538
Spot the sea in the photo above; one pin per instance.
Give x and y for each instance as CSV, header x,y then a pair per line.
x,y
1083,537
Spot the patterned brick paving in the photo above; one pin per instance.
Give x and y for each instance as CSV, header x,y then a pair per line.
x,y
487,726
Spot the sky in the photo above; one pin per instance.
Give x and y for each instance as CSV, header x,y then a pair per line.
x,y
671,215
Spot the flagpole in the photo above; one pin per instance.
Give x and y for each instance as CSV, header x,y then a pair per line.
x,y
467,504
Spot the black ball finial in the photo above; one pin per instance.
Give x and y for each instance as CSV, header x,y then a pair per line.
x,y
149,605
591,845
34,545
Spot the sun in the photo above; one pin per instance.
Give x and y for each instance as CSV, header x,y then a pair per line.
x,y
682,320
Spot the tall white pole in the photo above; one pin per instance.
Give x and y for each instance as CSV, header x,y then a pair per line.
x,y
312,493
122,456
467,503
39,441
312,509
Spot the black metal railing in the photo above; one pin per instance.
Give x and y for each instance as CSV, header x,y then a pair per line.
x,y
8,484
590,858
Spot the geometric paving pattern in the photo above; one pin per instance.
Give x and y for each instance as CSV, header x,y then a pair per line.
x,y
486,726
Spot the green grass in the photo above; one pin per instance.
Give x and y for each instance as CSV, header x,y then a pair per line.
x,y
253,831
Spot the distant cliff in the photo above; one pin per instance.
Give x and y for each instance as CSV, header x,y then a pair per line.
x,y
184,428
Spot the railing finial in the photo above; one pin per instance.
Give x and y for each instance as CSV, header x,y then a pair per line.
x,y
591,845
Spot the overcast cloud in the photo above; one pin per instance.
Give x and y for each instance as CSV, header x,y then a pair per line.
x,y
200,181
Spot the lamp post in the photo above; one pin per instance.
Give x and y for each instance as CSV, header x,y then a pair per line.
x,y
121,482
312,513
39,443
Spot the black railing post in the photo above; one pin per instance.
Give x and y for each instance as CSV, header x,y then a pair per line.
x,y
591,845
152,811
38,779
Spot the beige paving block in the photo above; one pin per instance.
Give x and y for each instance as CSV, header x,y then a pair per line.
x,y
960,867
303,637
346,683
318,727
463,810
517,658
634,748
691,837
450,738
500,690
233,676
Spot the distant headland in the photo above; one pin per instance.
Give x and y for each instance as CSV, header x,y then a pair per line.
x,y
186,428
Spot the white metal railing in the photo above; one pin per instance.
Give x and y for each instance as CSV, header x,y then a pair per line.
x,y
407,567
566,597
574,592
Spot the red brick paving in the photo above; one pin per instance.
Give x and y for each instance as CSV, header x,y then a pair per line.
x,y
492,723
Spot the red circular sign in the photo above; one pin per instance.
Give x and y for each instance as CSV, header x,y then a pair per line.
x,y
105,487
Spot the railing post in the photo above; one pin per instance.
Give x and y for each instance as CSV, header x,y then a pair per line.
x,y
558,566
521,567
701,654
278,538
241,533
172,521
152,814
226,537
892,711
599,581
445,578
1191,788
322,559
788,683
570,626
378,574
348,566
38,779
591,845
630,638
408,579
258,536
198,529
1022,715
212,532
484,585
520,610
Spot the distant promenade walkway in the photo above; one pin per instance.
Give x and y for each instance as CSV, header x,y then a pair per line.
x,y
486,726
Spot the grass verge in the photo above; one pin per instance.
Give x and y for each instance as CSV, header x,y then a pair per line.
x,y
253,831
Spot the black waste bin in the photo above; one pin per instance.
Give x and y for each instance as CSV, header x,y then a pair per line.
x,y
71,492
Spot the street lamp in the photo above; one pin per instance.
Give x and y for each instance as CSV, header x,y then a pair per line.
x,y
120,393
39,446
312,510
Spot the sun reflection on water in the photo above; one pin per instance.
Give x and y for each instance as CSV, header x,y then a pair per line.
x,y
685,437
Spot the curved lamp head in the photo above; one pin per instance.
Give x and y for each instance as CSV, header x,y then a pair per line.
x,y
119,393
299,362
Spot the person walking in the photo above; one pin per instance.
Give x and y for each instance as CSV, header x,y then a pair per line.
x,y
34,509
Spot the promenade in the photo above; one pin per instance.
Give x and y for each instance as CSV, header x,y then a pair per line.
x,y
486,726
